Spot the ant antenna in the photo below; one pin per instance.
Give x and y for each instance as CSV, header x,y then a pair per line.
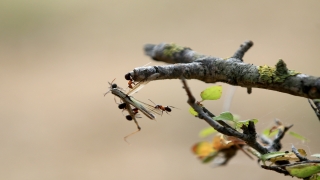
x,y
111,86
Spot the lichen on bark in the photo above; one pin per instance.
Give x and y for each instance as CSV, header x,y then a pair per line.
x,y
277,74
282,72
266,73
172,48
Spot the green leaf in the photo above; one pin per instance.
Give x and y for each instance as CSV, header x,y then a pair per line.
x,y
211,93
193,112
206,132
298,136
265,157
316,155
239,124
227,116
303,170
236,117
316,100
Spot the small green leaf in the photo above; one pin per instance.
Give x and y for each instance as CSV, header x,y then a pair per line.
x,y
193,112
211,93
298,136
239,124
303,170
227,116
236,117
316,155
265,157
206,132
316,100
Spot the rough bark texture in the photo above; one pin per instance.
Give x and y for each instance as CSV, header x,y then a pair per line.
x,y
189,64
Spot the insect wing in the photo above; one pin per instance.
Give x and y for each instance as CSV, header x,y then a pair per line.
x,y
142,83
137,87
142,108
150,107
131,101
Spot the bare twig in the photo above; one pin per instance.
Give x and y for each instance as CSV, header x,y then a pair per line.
x,y
296,152
276,169
276,143
265,140
244,47
316,109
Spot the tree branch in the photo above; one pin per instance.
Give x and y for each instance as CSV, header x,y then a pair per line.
x,y
248,135
188,64
316,109
296,152
244,47
276,143
192,65
276,169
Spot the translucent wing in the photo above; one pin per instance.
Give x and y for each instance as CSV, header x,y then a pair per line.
x,y
137,87
142,83
145,108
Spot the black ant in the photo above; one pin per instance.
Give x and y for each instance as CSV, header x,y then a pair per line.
x,y
134,111
163,108
130,80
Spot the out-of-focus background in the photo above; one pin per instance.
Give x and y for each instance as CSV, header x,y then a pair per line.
x,y
56,58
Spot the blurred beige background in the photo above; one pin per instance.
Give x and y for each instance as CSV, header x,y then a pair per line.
x,y
56,58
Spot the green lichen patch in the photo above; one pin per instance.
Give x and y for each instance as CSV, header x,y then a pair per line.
x,y
282,72
278,74
171,49
281,67
266,73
